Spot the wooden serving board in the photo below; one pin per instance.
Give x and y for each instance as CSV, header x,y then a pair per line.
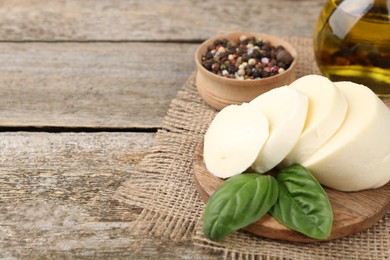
x,y
353,212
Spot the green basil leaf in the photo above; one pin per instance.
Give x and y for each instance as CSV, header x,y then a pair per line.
x,y
303,205
238,202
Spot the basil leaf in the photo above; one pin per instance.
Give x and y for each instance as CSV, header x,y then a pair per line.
x,y
238,202
302,204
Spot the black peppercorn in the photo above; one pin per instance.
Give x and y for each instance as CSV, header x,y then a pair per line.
x,y
245,57
281,64
284,56
264,74
255,73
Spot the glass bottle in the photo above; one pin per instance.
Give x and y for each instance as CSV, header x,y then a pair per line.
x,y
352,42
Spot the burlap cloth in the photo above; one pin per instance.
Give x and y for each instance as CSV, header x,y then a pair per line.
x,y
163,186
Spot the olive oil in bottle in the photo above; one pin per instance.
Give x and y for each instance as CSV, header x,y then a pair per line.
x,y
352,42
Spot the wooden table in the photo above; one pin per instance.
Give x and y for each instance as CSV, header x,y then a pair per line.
x,y
84,85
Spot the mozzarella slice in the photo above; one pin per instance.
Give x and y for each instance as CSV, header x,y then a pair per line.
x,y
234,139
357,157
286,110
327,109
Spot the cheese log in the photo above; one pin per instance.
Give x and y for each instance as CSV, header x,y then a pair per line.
x,y
286,110
357,157
234,139
326,112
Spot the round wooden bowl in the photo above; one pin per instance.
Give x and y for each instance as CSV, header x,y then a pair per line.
x,y
220,92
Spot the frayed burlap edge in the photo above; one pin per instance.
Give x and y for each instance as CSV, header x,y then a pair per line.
x,y
163,186
162,183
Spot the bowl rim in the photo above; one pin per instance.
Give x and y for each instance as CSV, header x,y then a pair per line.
x,y
271,38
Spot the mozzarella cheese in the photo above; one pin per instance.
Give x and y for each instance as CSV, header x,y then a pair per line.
x,y
357,157
286,110
327,109
234,139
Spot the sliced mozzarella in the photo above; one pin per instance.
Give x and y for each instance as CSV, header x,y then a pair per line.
x,y
357,157
286,110
327,109
234,139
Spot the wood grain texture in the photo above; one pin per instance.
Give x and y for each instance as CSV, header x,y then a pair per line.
x,y
353,212
122,85
117,20
80,169
56,198
56,201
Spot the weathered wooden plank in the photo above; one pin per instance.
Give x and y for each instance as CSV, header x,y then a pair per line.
x,y
124,85
56,201
82,169
152,20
